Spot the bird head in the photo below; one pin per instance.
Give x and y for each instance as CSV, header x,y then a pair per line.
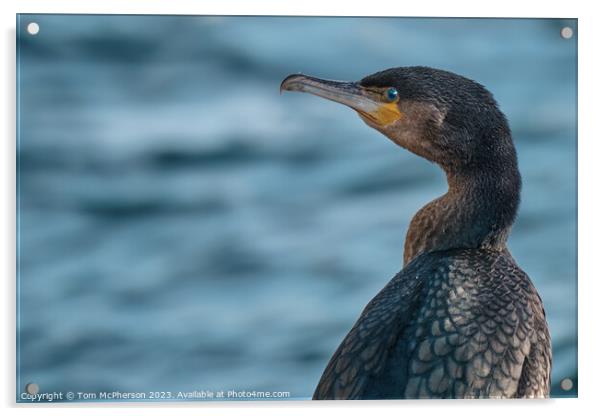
x,y
438,115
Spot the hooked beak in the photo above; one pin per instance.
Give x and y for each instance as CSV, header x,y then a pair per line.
x,y
367,102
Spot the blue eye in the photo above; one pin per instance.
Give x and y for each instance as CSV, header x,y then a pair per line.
x,y
392,94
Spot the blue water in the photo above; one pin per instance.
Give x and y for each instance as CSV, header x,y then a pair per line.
x,y
183,226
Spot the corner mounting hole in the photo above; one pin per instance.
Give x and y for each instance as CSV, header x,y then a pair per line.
x,y
33,28
566,32
566,384
32,388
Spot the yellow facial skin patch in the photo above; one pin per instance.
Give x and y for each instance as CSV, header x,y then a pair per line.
x,y
385,114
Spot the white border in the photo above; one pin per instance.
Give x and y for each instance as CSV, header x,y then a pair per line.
x,y
589,194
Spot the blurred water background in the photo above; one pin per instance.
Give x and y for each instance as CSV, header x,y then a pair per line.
x,y
183,226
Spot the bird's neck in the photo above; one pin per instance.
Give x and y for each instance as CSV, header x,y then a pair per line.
x,y
477,212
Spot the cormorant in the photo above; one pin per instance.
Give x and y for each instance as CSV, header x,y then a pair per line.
x,y
461,319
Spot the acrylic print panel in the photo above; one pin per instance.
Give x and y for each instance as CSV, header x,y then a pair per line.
x,y
187,232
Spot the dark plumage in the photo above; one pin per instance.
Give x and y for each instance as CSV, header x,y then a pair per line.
x,y
461,320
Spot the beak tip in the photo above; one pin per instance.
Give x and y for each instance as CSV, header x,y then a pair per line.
x,y
288,83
